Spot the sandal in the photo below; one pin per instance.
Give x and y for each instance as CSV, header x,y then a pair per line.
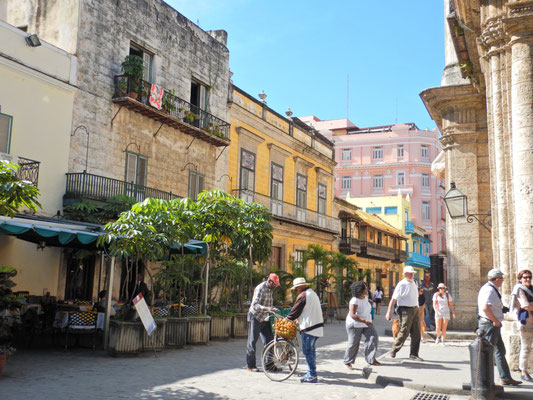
x,y
349,366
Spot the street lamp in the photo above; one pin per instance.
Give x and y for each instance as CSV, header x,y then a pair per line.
x,y
457,205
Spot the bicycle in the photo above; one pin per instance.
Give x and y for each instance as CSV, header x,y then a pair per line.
x,y
280,357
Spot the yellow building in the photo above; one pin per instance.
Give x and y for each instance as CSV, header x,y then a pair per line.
x,y
396,210
373,243
288,167
36,100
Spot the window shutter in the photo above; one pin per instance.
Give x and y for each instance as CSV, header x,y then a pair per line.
x,y
131,167
5,132
141,171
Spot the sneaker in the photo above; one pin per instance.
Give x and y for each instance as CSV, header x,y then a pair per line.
x,y
527,378
437,340
442,343
309,379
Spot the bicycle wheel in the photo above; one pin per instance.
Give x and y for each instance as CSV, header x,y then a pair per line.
x,y
280,360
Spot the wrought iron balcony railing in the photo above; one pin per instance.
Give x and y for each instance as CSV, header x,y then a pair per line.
x,y
174,111
28,169
288,211
95,187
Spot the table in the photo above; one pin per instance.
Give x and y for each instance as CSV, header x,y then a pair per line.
x,y
61,321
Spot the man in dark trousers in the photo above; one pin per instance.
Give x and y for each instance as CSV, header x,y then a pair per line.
x,y
259,318
429,290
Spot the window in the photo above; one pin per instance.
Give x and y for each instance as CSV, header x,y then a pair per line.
x,y
380,238
391,210
301,197
346,182
6,122
148,60
322,198
276,189
196,184
136,168
373,210
377,153
377,181
424,151
400,178
425,180
425,210
346,155
247,171
199,96
399,151
299,259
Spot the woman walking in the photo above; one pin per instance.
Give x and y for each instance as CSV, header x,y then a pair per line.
x,y
443,305
525,317
378,296
358,323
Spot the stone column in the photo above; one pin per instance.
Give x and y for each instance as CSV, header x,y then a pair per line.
x,y
460,113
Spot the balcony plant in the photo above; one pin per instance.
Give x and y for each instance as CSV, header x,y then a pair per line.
x,y
190,117
15,193
133,69
169,100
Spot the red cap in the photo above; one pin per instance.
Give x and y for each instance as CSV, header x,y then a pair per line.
x,y
274,278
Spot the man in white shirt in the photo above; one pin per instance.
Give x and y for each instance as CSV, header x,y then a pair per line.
x,y
490,313
406,295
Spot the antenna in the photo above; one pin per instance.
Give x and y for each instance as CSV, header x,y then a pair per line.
x,y
347,96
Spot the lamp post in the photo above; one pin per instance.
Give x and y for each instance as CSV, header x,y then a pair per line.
x,y
457,205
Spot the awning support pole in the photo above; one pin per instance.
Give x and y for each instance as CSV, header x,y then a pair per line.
x,y
109,301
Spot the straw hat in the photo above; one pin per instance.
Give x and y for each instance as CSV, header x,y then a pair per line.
x,y
298,282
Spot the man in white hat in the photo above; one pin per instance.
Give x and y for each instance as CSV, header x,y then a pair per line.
x,y
309,314
406,295
490,314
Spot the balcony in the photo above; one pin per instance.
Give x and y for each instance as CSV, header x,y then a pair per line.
x,y
28,169
374,250
290,212
349,245
400,256
418,260
99,188
409,227
178,114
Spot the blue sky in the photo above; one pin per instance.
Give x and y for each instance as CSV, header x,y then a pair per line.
x,y
300,53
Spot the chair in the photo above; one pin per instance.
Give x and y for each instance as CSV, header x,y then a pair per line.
x,y
82,323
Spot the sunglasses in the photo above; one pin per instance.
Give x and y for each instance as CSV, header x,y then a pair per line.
x,y
526,277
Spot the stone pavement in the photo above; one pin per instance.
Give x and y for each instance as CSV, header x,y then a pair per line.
x,y
217,371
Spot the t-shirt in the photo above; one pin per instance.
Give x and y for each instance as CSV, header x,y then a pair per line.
x,y
487,295
378,294
406,294
364,310
442,302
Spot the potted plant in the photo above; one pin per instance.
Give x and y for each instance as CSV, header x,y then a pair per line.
x,y
169,100
7,302
190,117
122,87
133,69
220,324
199,329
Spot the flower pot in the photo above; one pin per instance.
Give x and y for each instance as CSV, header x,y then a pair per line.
x,y
176,332
220,327
198,330
3,359
239,325
133,95
156,341
125,338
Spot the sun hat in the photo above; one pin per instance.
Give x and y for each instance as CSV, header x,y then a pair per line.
x,y
441,285
408,269
495,273
274,278
298,282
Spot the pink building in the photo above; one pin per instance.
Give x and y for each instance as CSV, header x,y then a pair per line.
x,y
387,160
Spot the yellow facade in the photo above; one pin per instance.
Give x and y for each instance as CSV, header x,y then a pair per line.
x,y
273,139
36,94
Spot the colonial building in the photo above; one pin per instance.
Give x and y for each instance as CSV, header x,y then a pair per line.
x,y
385,161
158,136
484,111
375,245
288,167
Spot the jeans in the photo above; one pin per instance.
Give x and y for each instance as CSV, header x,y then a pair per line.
x,y
409,325
309,350
494,336
255,329
429,317
526,342
354,338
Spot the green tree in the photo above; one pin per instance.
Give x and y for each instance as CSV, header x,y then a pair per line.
x,y
15,193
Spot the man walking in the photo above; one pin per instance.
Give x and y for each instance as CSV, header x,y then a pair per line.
x,y
309,314
490,312
259,318
429,290
406,295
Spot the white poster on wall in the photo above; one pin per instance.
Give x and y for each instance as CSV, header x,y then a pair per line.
x,y
144,313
